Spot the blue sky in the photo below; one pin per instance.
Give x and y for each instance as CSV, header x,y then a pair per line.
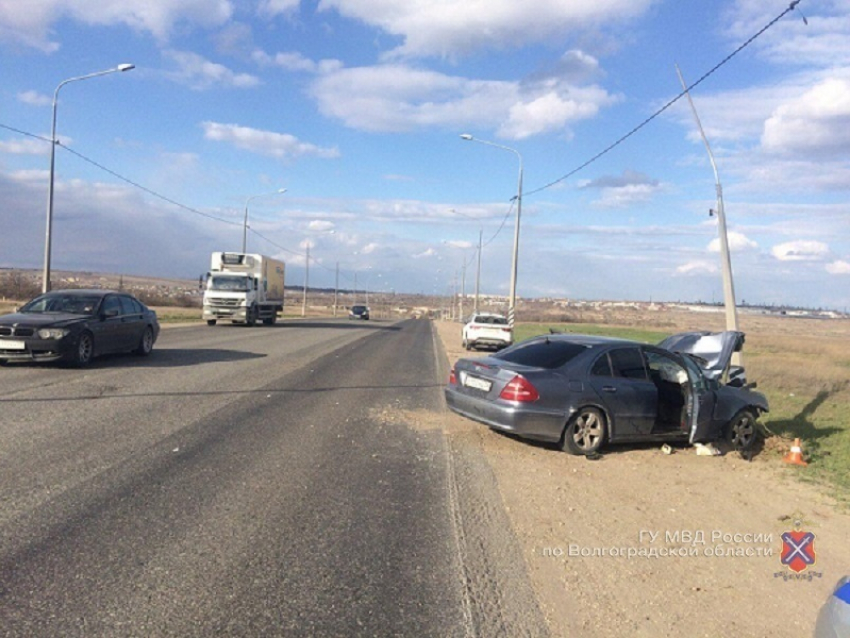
x,y
356,107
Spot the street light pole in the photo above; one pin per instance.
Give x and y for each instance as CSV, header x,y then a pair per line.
x,y
245,223
336,287
726,259
306,282
515,261
45,282
478,273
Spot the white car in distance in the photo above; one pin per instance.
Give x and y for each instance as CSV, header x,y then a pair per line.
x,y
486,329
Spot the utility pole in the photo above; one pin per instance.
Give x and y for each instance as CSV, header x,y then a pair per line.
x,y
462,291
478,273
306,282
336,287
726,260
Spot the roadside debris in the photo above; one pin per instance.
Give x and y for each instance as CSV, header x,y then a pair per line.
x,y
706,449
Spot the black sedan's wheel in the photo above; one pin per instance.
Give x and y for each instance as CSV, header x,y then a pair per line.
x,y
741,432
146,343
585,433
84,353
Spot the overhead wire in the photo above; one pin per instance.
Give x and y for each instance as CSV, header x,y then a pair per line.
x,y
791,7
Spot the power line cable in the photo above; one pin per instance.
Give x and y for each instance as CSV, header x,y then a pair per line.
x,y
657,113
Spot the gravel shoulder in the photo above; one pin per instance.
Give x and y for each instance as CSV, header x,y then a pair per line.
x,y
578,521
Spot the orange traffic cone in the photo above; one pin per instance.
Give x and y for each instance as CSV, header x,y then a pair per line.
x,y
795,456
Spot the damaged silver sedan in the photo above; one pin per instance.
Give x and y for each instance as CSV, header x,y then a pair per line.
x,y
584,391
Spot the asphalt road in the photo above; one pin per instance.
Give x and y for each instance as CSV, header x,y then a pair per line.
x,y
268,481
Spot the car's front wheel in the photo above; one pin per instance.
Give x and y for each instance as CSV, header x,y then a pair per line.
x,y
741,431
84,353
585,432
210,322
145,343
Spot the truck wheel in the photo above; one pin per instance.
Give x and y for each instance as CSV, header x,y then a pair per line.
x,y
251,318
270,321
210,322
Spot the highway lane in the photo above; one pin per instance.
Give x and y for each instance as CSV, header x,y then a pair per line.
x,y
244,482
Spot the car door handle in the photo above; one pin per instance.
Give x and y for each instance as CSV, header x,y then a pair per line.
x,y
609,388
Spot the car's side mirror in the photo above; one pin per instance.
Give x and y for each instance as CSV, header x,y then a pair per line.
x,y
108,314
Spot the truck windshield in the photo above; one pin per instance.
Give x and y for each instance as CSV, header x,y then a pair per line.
x,y
228,282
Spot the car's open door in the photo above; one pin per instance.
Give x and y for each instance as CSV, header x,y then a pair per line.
x,y
701,403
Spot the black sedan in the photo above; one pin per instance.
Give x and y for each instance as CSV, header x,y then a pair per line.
x,y
582,391
77,325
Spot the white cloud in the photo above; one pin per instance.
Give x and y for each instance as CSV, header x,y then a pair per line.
x,y
839,267
815,124
800,250
280,145
199,73
430,252
820,41
399,98
620,191
369,248
456,243
26,147
34,98
449,27
273,8
30,23
697,268
321,225
737,242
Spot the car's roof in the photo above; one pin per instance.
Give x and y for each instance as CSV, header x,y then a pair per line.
x,y
589,340
86,291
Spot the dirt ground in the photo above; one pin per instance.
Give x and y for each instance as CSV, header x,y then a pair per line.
x,y
609,543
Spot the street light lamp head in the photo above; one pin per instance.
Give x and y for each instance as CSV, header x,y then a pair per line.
x,y
466,136
126,67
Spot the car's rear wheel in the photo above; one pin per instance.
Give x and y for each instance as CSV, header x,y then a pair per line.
x,y
84,352
585,432
145,343
741,432
210,322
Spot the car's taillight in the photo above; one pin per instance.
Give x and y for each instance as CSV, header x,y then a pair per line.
x,y
452,377
519,389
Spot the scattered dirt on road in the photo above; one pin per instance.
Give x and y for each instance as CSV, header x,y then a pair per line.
x,y
414,419
640,543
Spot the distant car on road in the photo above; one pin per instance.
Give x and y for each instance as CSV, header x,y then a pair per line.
x,y
77,325
487,329
359,312
582,391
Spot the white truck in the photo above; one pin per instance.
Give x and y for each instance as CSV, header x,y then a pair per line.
x,y
243,288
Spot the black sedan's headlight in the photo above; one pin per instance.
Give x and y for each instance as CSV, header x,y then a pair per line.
x,y
52,333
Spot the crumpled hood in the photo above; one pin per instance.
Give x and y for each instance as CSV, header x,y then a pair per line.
x,y
714,349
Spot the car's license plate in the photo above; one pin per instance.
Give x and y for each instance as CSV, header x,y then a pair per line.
x,y
474,382
12,344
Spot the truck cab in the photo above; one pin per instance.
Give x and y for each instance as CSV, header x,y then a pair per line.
x,y
243,288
